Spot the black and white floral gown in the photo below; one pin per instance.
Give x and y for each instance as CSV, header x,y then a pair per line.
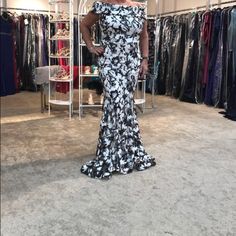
x,y
120,148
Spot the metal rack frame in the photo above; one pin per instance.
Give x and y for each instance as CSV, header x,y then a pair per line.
x,y
81,13
70,21
156,65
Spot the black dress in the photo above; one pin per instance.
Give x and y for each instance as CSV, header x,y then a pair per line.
x,y
120,148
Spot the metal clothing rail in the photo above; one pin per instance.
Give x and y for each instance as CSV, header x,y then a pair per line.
x,y
149,17
196,8
221,3
24,9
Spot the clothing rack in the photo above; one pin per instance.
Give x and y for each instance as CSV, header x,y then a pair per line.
x,y
197,8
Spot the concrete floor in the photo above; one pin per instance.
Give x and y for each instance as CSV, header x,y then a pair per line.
x,y
190,192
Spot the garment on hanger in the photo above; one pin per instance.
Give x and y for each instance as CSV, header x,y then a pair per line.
x,y
203,55
188,82
218,75
223,96
214,47
165,53
196,54
169,73
231,76
178,57
7,63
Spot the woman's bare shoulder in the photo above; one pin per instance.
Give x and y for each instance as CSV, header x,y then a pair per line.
x,y
138,4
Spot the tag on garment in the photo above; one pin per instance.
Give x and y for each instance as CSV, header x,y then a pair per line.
x,y
26,21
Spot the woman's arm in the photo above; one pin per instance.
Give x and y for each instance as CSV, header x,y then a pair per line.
x,y
144,40
144,50
85,27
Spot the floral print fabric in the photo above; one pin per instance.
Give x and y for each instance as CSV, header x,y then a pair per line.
x,y
120,148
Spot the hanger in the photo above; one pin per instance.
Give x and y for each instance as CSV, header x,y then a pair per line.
x,y
194,9
7,16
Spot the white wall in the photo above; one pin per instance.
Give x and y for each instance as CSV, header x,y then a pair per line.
x,y
152,6
43,4
164,5
172,5
33,4
28,4
185,4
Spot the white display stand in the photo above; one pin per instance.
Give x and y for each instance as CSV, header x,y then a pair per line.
x,y
140,93
62,12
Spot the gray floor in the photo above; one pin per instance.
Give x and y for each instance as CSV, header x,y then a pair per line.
x,y
190,192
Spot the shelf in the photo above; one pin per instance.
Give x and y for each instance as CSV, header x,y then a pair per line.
x,y
59,21
58,1
60,102
94,105
58,80
54,56
139,101
57,39
89,75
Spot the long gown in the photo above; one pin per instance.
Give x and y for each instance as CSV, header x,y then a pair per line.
x,y
119,148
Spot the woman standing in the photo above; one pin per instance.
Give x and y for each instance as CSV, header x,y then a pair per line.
x,y
122,59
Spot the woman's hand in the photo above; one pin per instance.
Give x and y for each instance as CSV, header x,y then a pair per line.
x,y
96,50
143,69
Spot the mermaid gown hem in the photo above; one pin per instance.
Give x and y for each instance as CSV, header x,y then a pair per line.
x,y
119,148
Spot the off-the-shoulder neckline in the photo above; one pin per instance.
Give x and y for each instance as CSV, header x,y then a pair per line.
x,y
120,5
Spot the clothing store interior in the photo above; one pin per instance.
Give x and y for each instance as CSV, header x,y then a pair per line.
x,y
52,100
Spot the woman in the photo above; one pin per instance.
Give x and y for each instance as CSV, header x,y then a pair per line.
x,y
124,35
